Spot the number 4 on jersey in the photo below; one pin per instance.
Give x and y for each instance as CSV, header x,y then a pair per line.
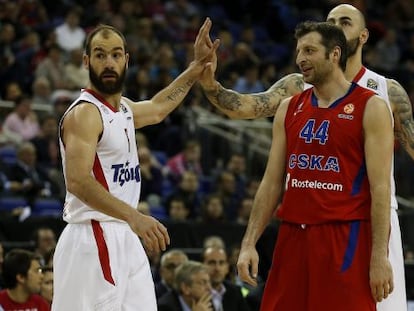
x,y
308,132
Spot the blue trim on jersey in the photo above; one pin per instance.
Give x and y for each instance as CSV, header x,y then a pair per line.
x,y
356,186
314,99
352,244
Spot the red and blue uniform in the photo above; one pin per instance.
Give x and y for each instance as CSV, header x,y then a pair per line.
x,y
321,258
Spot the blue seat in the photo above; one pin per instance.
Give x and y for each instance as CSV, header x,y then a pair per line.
x,y
47,207
8,155
8,203
167,187
206,183
161,156
158,212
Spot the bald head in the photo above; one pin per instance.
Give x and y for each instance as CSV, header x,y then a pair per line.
x,y
346,12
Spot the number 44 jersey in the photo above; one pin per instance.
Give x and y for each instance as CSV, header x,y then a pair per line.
x,y
326,178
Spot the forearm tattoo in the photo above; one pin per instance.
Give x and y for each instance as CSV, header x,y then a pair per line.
x,y
260,104
180,91
403,116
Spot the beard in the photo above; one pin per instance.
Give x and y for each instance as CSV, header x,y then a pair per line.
x,y
108,88
352,46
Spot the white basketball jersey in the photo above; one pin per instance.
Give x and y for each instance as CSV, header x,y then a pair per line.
x,y
116,165
377,83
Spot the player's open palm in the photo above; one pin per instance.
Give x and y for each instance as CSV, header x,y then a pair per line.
x,y
247,265
380,278
203,46
153,234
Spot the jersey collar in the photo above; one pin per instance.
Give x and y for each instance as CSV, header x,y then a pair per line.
x,y
101,99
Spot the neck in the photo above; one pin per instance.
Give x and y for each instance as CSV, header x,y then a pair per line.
x,y
18,295
333,88
188,300
217,286
353,65
114,100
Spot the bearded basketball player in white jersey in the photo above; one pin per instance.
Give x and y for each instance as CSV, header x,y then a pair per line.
x,y
100,263
247,106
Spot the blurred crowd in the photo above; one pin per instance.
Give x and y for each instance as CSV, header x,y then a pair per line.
x,y
186,175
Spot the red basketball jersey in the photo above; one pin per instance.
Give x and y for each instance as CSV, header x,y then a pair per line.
x,y
325,163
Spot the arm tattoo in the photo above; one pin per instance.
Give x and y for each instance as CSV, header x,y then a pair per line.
x,y
263,106
227,99
256,105
404,131
180,91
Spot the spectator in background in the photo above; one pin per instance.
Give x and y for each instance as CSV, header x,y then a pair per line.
x,y
237,166
177,210
7,53
243,57
61,99
191,289
151,175
139,85
70,35
45,241
42,93
33,180
214,241
188,191
212,210
22,120
46,143
46,289
249,81
48,153
52,67
244,211
387,52
227,191
251,187
76,74
225,295
22,278
187,160
33,14
49,258
12,91
170,260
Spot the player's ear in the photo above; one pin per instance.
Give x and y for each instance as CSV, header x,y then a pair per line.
x,y
127,60
85,61
364,35
336,53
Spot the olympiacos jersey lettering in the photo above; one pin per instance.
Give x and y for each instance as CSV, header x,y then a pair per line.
x,y
116,165
325,163
377,83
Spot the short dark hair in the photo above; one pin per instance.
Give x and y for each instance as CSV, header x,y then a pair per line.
x,y
16,261
105,29
332,36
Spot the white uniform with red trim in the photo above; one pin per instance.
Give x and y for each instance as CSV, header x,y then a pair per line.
x,y
99,262
397,300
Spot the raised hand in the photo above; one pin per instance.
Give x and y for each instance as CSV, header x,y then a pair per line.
x,y
203,46
203,304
